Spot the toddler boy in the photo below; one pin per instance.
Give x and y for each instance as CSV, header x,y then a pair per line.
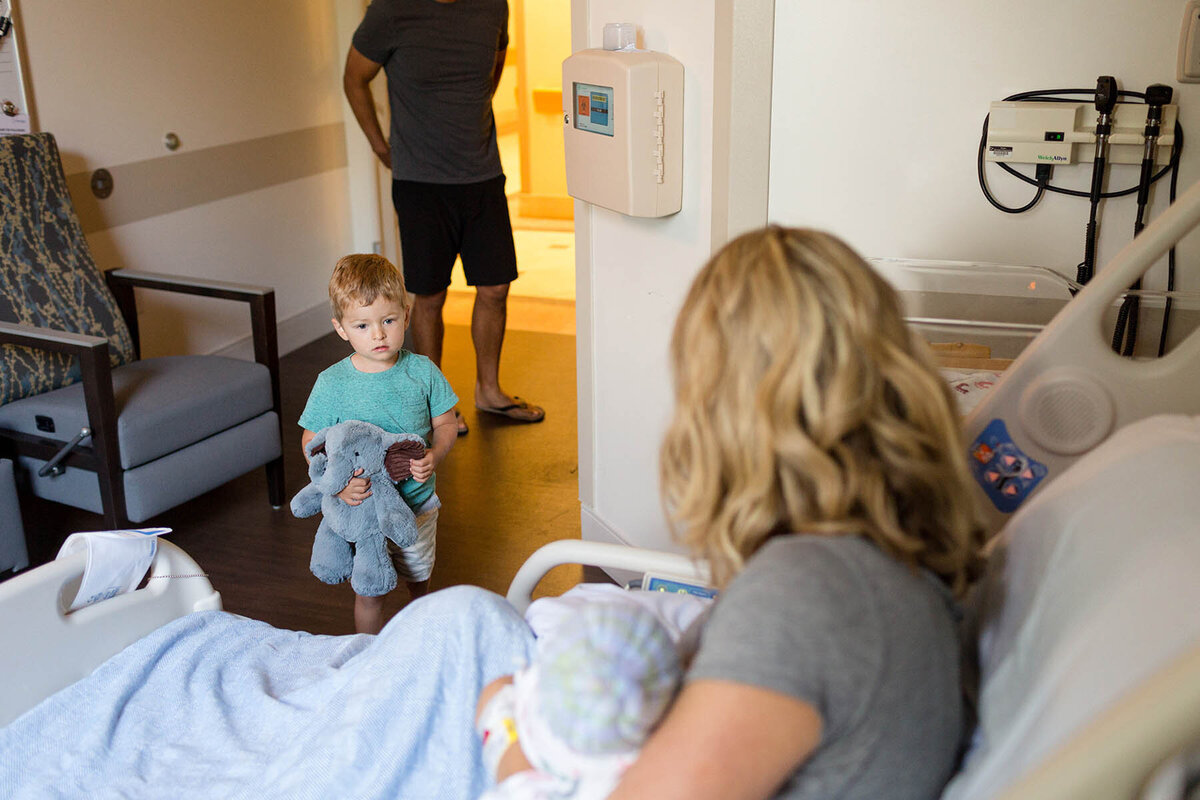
x,y
386,385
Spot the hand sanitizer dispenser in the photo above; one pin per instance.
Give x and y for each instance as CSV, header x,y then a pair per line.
x,y
623,130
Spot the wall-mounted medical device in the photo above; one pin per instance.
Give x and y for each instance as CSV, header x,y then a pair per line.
x,y
623,130
1064,133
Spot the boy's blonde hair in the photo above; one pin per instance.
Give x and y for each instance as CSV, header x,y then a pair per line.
x,y
803,405
360,279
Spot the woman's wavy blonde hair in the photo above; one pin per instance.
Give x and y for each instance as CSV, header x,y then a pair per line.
x,y
803,404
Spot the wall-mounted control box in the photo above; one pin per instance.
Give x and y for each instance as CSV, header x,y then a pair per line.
x,y
623,130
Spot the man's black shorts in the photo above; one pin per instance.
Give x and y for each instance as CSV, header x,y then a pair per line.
x,y
441,221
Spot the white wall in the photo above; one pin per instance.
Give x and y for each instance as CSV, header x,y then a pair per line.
x,y
878,108
632,273
109,81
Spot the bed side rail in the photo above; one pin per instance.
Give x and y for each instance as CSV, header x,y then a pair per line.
x,y
46,649
597,554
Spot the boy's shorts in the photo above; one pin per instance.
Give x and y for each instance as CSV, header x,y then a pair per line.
x,y
441,221
415,563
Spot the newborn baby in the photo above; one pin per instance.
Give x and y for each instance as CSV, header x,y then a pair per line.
x,y
571,722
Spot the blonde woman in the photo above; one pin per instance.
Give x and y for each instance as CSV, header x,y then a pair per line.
x,y
814,460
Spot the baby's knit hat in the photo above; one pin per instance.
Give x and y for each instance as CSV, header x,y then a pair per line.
x,y
596,688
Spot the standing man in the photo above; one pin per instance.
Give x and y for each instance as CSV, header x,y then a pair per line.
x,y
443,60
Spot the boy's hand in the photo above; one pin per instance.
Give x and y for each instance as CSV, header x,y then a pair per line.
x,y
423,467
445,434
357,490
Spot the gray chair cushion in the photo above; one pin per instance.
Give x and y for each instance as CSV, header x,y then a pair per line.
x,y
164,483
163,404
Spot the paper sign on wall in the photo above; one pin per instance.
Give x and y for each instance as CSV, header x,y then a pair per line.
x,y
14,114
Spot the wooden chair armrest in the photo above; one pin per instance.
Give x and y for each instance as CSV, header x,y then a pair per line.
x,y
204,287
76,344
260,298
96,376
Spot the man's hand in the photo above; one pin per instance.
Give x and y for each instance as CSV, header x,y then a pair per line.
x,y
384,155
357,490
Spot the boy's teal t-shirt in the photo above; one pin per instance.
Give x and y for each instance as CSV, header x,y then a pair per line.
x,y
403,399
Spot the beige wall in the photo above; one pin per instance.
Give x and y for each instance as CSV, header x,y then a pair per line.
x,y
256,193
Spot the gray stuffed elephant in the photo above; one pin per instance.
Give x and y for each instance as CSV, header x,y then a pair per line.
x,y
335,453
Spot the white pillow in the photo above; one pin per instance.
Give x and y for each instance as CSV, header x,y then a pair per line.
x,y
1094,587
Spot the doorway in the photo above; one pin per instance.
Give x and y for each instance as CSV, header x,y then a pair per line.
x,y
528,111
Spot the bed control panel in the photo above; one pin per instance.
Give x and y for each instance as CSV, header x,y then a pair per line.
x,y
653,582
1006,473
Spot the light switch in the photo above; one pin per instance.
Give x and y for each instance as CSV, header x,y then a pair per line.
x,y
1188,68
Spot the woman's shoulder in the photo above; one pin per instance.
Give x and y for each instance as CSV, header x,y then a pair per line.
x,y
837,559
824,584
817,574
823,558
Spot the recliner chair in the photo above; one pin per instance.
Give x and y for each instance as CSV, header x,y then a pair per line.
x,y
87,423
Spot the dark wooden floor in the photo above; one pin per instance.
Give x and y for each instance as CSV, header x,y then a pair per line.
x,y
506,489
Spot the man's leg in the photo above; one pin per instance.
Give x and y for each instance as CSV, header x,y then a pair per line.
x,y
490,263
427,331
429,244
427,328
488,318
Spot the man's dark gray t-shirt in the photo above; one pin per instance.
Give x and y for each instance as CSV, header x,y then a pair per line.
x,y
438,59
868,643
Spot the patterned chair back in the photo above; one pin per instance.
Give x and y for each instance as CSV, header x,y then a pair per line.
x,y
47,275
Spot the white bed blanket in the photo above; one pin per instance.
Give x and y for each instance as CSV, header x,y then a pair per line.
x,y
217,705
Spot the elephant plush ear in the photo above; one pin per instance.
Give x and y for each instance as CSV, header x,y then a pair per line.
x,y
317,443
396,459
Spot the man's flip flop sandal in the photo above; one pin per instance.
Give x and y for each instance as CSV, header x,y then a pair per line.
x,y
463,430
518,411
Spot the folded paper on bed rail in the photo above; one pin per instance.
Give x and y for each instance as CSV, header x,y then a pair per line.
x,y
116,561
217,705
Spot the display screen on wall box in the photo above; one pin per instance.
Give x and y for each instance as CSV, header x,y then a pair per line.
x,y
593,108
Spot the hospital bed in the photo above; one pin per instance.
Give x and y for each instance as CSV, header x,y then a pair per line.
x,y
1088,689
1087,622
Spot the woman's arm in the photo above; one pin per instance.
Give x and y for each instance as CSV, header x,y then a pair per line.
x,y
724,740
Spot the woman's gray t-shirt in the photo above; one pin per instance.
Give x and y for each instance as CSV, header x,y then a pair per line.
x,y
867,642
